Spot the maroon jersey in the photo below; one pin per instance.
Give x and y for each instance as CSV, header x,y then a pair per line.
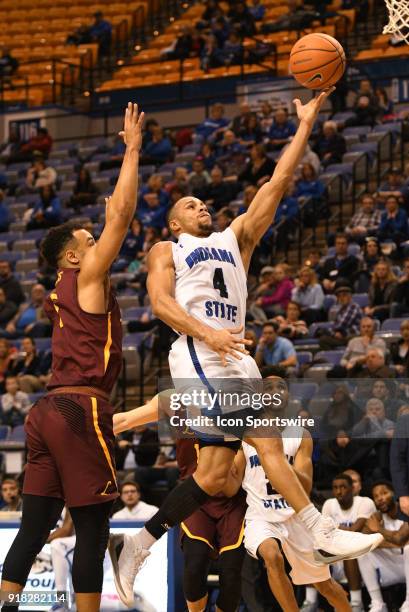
x,y
86,347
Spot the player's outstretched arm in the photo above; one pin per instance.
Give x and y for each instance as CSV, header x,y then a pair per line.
x,y
161,288
120,208
148,413
252,225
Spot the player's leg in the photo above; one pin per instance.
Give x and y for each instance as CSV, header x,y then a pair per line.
x,y
334,543
368,567
92,532
211,474
334,594
61,558
230,563
195,572
40,515
353,576
278,580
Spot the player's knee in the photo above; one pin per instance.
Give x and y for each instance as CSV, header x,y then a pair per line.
x,y
273,559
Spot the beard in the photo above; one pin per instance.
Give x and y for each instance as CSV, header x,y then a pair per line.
x,y
206,228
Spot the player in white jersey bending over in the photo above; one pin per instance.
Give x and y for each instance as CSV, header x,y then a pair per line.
x,y
198,287
269,518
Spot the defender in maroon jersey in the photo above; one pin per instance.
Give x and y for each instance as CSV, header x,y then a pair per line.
x,y
69,432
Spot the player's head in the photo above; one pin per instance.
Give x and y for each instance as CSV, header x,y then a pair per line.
x,y
130,493
356,481
383,495
342,490
276,385
66,245
190,216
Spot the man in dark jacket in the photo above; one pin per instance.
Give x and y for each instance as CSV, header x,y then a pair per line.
x,y
400,464
10,285
341,266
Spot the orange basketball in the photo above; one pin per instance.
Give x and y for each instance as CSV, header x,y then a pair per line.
x,y
317,61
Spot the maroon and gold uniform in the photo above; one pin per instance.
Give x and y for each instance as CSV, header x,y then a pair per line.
x,y
69,434
220,521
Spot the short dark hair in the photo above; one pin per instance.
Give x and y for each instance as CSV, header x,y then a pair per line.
x,y
272,324
56,240
343,476
382,483
131,483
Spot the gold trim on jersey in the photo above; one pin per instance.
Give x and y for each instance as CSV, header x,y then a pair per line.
x,y
102,442
237,544
193,537
107,349
54,297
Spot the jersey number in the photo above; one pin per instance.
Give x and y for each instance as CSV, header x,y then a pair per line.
x,y
219,284
270,490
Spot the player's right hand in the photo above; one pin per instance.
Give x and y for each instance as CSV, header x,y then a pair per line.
x,y
132,132
225,342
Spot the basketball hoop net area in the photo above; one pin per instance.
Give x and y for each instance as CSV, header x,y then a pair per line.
x,y
398,19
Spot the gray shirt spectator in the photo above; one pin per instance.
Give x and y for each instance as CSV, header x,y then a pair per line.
x,y
374,424
357,348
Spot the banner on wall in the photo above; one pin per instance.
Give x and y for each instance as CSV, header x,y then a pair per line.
x,y
26,128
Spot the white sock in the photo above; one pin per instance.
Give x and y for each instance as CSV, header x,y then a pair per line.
x,y
145,538
311,595
356,596
310,517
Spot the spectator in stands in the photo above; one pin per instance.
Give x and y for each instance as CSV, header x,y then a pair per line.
x,y
385,390
241,18
30,317
330,145
15,404
309,185
133,243
313,259
277,301
158,150
340,266
260,167
399,351
394,223
356,481
153,465
214,125
346,322
374,367
365,112
357,348
218,192
199,178
224,218
7,309
10,285
309,157
394,186
385,104
11,496
147,133
180,179
220,29
309,295
154,214
250,133
365,221
6,355
381,291
374,423
181,47
46,274
211,55
265,116
282,129
11,147
41,142
341,414
228,146
274,350
134,508
291,326
153,191
240,120
288,207
400,304
8,66
85,192
366,89
28,367
232,52
208,155
371,254
176,193
4,213
116,154
40,175
47,210
257,9
101,32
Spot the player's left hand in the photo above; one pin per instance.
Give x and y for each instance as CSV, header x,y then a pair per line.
x,y
132,132
308,112
373,523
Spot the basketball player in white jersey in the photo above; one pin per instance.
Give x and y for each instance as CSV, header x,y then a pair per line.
x,y
198,287
390,563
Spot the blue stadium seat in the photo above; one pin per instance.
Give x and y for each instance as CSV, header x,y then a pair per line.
x,y
10,256
346,170
304,357
134,314
17,434
370,148
360,130
361,299
303,390
329,300
332,357
392,325
4,432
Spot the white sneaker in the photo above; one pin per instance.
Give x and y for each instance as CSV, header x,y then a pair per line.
x,y
332,544
127,556
404,607
378,606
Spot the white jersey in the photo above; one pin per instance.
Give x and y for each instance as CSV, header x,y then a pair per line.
x,y
262,500
362,507
211,283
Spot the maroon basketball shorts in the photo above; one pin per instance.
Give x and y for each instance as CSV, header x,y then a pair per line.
x,y
219,523
71,449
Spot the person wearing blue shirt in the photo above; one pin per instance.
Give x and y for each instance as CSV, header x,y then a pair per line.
x,y
257,10
134,240
309,185
281,130
159,149
394,222
214,124
4,213
288,207
47,210
154,215
101,31
154,187
275,350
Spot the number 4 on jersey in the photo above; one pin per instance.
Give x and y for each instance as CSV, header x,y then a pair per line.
x,y
219,284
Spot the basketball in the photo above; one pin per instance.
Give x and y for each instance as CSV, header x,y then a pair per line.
x,y
317,61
